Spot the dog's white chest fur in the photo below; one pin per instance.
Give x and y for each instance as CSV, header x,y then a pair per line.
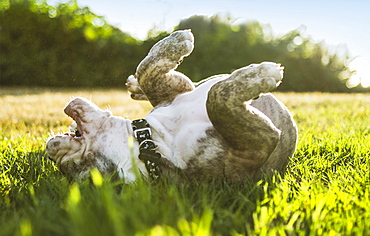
x,y
179,127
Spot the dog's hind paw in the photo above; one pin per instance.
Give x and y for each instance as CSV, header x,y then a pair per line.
x,y
259,78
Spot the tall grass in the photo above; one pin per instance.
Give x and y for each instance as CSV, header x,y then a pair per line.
x,y
325,190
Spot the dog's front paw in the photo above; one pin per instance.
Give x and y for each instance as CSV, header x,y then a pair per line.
x,y
133,87
175,47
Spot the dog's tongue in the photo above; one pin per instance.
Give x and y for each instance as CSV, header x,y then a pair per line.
x,y
70,134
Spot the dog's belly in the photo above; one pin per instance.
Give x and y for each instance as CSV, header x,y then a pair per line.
x,y
180,129
194,147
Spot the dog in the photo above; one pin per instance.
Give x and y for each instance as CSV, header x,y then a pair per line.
x,y
227,127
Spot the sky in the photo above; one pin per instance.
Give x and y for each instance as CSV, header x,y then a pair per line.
x,y
337,22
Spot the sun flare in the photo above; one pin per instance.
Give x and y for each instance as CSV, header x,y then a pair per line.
x,y
361,66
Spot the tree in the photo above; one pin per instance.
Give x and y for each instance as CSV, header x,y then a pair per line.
x,y
63,46
69,46
221,47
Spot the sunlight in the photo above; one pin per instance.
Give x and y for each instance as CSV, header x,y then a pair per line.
x,y
362,67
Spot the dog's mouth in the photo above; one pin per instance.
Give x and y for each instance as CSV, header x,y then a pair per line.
x,y
74,130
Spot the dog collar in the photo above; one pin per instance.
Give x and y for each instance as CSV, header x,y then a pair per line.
x,y
147,148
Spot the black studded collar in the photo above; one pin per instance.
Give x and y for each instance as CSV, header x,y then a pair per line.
x,y
147,148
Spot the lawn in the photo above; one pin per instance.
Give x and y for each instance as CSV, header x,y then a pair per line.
x,y
325,191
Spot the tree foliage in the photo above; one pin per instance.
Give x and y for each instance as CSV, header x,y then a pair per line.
x,y
69,46
221,46
62,46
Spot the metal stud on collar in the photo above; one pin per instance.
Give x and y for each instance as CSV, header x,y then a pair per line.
x,y
147,148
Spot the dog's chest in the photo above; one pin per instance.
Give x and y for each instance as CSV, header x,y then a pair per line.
x,y
197,149
184,133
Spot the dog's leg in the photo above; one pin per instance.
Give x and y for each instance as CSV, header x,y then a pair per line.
x,y
244,127
156,73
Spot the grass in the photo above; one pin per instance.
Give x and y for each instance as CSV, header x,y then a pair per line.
x,y
325,191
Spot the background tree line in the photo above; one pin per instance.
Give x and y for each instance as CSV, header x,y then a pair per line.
x,y
69,46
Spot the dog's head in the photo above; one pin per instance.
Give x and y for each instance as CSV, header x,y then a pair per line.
x,y
100,141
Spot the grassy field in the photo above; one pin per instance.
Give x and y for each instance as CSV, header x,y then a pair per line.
x,y
326,189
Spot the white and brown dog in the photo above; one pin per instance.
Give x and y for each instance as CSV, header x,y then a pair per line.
x,y
228,126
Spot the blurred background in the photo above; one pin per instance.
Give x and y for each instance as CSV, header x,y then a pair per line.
x,y
98,44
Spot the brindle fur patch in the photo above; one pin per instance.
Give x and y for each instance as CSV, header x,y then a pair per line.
x,y
93,160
